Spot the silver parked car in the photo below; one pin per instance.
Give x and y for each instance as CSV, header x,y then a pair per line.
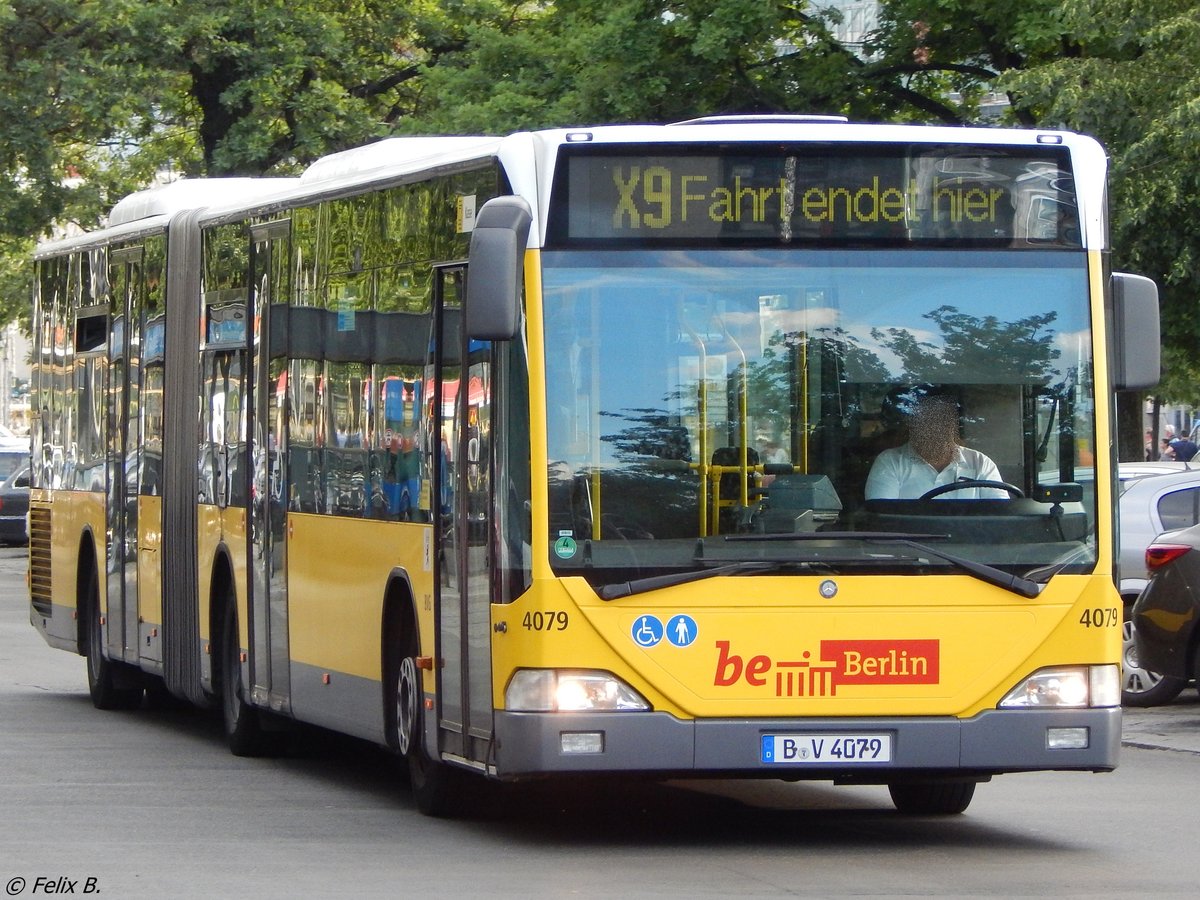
x,y
1155,497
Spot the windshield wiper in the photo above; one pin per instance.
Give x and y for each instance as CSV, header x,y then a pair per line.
x,y
916,541
982,571
654,582
1042,574
990,574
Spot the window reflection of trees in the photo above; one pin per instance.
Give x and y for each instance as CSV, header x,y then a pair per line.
x,y
362,271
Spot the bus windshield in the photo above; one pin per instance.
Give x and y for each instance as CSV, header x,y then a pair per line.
x,y
699,398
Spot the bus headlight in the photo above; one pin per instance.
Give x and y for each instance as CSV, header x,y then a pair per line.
x,y
568,690
1067,687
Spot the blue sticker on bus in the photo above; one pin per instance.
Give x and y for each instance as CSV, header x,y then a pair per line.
x,y
681,630
647,631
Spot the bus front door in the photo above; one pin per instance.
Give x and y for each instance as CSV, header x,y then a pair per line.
x,y
462,491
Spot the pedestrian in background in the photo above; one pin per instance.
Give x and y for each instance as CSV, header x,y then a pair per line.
x,y
1184,449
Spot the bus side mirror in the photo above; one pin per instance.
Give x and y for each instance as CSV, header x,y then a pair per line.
x,y
495,274
1135,341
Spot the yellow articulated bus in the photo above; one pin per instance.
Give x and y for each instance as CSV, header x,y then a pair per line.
x,y
745,447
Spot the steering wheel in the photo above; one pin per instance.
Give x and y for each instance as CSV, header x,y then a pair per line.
x,y
967,484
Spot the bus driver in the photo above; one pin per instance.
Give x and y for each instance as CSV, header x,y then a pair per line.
x,y
932,457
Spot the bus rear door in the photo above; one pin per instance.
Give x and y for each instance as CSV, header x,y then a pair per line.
x,y
268,597
125,280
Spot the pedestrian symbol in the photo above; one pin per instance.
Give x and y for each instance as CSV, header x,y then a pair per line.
x,y
681,630
647,631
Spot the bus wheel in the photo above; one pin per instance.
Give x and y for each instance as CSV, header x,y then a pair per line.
x,y
437,788
932,798
408,702
104,676
243,725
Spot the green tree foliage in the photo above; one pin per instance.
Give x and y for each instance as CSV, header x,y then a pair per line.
x,y
588,61
264,86
60,88
584,61
1135,84
1014,351
100,95
943,59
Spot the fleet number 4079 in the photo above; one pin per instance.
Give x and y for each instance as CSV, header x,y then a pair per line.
x,y
552,620
1100,617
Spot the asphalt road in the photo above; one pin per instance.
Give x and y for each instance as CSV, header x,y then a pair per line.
x,y
151,804
1172,727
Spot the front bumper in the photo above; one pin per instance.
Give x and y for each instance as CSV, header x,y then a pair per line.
x,y
992,742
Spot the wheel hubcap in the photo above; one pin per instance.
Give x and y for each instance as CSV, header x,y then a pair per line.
x,y
406,705
1136,678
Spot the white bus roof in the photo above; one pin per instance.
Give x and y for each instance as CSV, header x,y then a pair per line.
x,y
151,209
190,193
398,155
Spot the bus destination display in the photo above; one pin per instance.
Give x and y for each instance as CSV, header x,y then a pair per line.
x,y
905,194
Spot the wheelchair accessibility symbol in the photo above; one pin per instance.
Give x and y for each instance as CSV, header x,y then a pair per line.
x,y
647,631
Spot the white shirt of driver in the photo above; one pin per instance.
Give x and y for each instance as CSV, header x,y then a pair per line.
x,y
901,474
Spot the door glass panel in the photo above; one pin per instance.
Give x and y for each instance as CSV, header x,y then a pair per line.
x,y
475,416
445,440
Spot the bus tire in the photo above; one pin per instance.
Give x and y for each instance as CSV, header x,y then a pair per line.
x,y
243,723
107,683
932,798
437,788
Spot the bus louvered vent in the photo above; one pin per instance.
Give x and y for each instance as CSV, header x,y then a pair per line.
x,y
39,558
